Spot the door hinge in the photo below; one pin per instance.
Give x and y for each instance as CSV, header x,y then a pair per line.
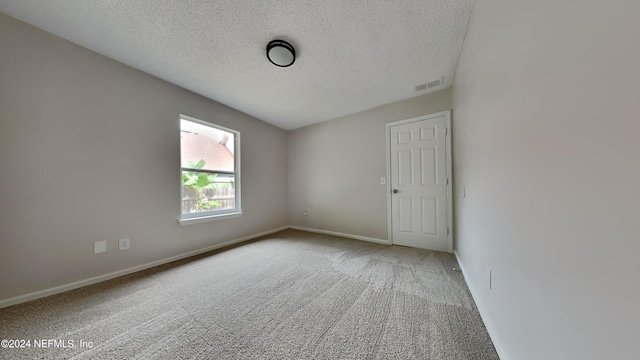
x,y
447,181
446,131
447,230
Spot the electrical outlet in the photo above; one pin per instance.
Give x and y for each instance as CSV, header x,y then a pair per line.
x,y
99,247
124,244
383,180
306,214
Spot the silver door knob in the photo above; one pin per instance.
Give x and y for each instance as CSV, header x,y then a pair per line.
x,y
395,191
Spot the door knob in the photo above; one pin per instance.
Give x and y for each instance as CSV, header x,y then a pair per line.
x,y
395,191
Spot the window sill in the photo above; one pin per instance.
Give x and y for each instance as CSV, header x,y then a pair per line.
x,y
196,220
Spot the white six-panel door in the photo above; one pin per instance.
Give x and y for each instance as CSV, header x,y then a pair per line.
x,y
419,182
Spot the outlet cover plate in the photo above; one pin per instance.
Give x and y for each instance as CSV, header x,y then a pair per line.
x,y
124,244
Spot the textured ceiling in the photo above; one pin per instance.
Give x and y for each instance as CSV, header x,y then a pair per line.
x,y
352,55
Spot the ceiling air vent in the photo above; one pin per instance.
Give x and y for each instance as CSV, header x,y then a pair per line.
x,y
435,83
430,84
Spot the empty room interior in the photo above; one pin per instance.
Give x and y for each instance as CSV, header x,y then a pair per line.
x,y
332,179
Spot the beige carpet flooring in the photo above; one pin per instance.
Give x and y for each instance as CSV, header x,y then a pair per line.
x,y
290,295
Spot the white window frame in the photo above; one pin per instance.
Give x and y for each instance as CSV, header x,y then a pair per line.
x,y
214,214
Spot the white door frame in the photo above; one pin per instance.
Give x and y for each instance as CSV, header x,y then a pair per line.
x,y
447,119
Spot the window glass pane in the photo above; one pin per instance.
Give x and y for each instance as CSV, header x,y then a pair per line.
x,y
210,179
207,192
206,148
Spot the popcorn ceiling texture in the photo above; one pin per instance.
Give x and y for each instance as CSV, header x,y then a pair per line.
x,y
351,55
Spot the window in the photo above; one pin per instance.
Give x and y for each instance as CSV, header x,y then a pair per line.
x,y
210,165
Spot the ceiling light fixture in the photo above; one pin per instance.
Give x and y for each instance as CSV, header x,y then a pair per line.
x,y
281,53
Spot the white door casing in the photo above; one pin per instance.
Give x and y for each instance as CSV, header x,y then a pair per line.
x,y
419,186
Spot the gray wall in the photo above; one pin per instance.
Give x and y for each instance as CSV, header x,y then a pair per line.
x,y
546,141
89,151
335,168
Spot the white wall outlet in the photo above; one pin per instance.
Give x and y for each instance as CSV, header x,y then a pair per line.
x,y
124,244
99,247
488,278
383,180
306,214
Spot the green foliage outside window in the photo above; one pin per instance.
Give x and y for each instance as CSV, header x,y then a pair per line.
x,y
199,182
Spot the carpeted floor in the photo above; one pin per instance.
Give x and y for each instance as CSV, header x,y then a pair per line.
x,y
290,295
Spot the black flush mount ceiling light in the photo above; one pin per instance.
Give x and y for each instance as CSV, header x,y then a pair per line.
x,y
281,53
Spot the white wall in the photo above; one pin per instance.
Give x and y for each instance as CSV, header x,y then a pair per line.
x,y
546,141
335,168
89,151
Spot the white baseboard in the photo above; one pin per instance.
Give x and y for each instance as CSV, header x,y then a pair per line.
x,y
493,334
357,237
94,280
